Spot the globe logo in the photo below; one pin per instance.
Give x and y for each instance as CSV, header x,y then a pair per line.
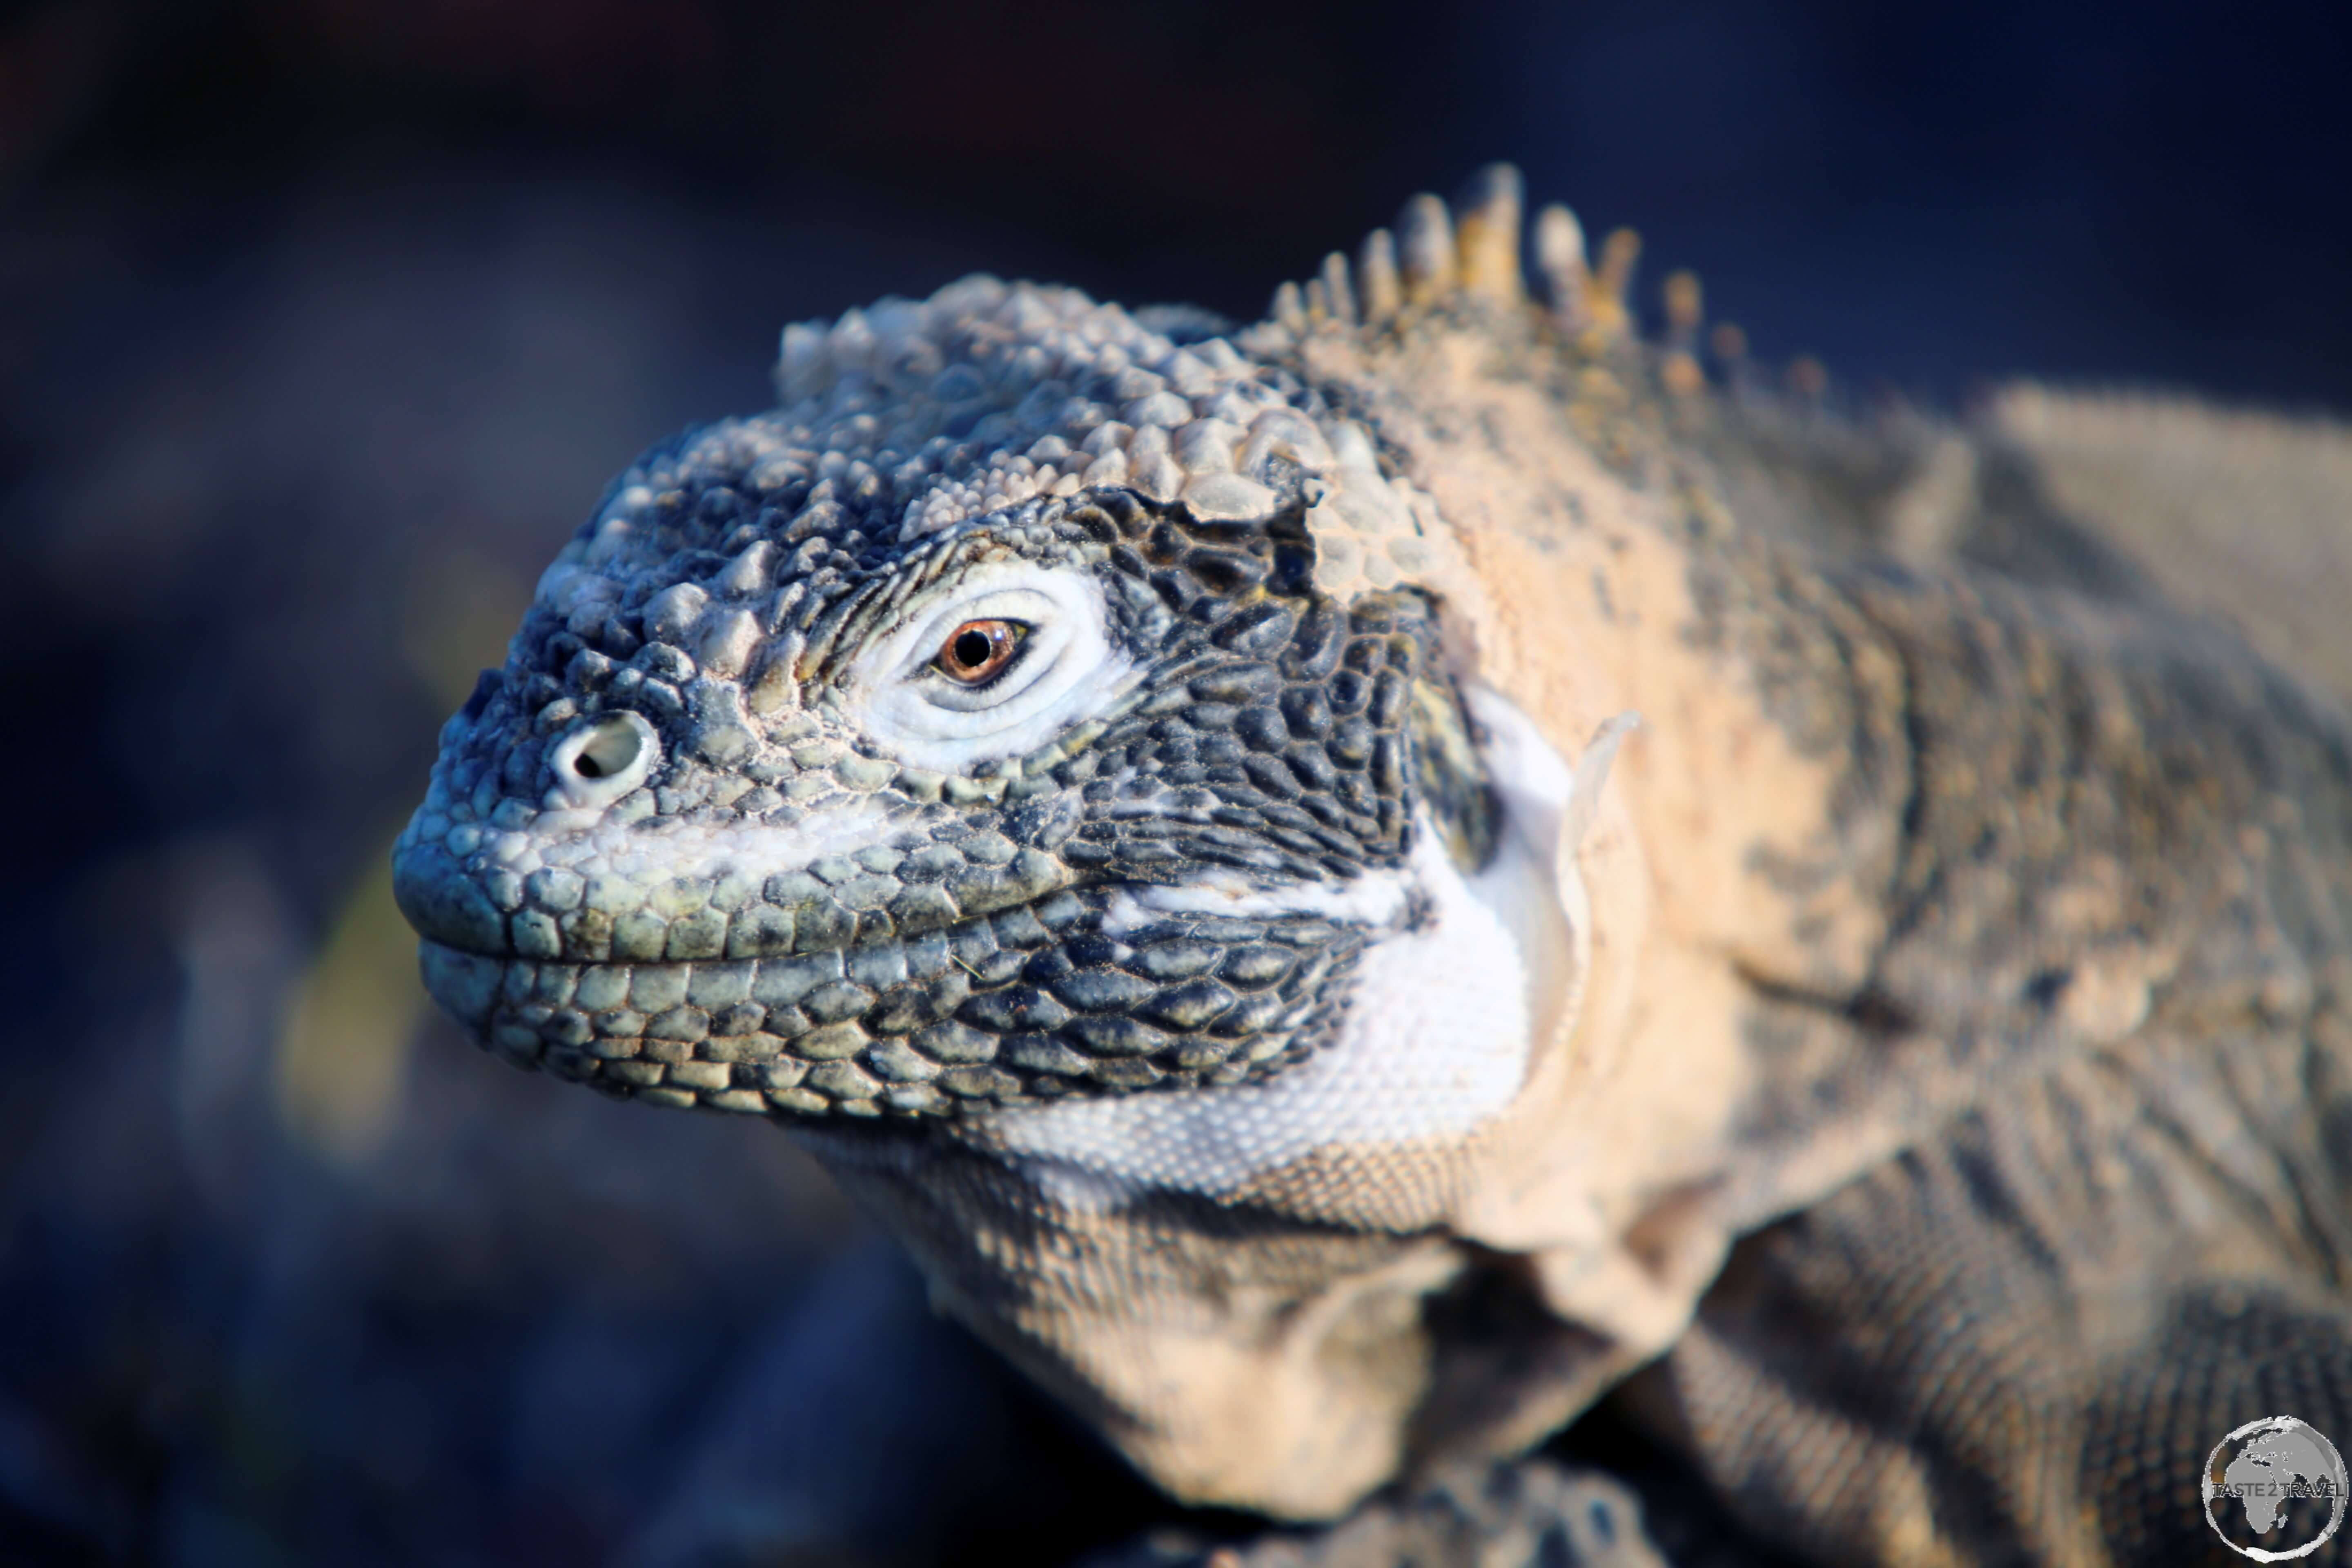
x,y
2275,1489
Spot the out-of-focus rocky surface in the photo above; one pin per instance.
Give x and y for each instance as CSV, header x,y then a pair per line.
x,y
1533,1514
1600,1498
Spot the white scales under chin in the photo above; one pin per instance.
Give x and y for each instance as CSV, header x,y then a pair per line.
x,y
1436,1031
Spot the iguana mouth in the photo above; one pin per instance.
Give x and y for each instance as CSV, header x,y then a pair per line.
x,y
936,968
1026,1004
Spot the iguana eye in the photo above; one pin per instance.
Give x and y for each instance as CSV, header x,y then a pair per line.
x,y
993,662
977,651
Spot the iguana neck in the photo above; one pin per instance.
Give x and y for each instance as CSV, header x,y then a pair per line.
x,y
1600,572
1891,806
1747,839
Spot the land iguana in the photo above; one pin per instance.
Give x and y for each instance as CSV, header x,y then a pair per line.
x,y
1351,885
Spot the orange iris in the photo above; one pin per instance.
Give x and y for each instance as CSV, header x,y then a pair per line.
x,y
977,651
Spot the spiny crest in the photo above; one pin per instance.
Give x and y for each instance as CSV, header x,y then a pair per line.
x,y
1435,258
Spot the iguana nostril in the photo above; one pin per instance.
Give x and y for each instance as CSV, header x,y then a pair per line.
x,y
604,759
612,747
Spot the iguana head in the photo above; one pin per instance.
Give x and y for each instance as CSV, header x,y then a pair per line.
x,y
1042,704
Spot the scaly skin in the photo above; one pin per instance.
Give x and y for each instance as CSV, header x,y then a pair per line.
x,y
1268,1021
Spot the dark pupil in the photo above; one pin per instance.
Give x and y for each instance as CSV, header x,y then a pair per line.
x,y
589,768
971,650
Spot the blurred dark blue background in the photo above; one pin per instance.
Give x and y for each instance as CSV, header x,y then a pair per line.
x,y
322,320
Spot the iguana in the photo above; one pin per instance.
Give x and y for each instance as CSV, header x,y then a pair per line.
x,y
1346,885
